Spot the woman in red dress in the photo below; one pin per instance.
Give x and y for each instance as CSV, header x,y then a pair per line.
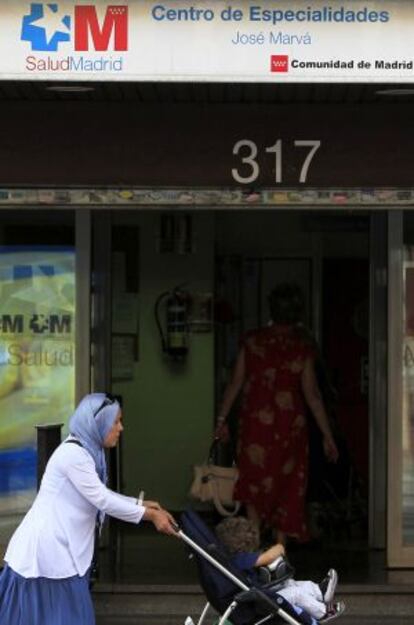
x,y
275,371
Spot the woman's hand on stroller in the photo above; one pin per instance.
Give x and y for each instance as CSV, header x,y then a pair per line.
x,y
162,520
151,504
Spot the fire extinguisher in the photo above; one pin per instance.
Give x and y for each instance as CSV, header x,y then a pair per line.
x,y
174,340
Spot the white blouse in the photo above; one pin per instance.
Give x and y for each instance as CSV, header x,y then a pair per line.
x,y
56,537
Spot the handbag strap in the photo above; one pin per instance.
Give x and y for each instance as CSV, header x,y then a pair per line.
x,y
216,499
214,444
210,458
219,506
222,510
74,441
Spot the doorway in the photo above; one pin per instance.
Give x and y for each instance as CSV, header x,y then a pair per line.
x,y
332,258
169,406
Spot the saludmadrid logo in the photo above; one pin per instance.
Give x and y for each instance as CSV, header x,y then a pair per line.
x,y
48,29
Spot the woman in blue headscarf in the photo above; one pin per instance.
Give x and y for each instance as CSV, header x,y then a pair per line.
x,y
46,577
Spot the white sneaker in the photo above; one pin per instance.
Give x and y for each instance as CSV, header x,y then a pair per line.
x,y
328,586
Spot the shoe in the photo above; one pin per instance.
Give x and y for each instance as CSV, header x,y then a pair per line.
x,y
328,586
333,610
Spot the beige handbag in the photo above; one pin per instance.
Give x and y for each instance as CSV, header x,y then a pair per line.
x,y
215,484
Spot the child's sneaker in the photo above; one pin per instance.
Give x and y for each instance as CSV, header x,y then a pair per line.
x,y
333,610
328,586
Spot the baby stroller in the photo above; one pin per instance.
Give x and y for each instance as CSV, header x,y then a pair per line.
x,y
238,597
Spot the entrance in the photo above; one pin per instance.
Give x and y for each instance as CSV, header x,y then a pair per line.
x,y
236,256
328,256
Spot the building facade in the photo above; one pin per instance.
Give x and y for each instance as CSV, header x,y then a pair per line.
x,y
209,168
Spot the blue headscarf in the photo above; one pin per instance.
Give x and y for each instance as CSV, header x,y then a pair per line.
x,y
90,424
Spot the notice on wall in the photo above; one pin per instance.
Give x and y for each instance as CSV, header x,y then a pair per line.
x,y
124,355
37,357
240,41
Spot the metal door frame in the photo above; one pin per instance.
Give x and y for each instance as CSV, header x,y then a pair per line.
x,y
83,302
398,554
378,258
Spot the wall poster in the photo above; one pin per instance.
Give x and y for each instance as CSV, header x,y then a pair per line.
x,y
37,359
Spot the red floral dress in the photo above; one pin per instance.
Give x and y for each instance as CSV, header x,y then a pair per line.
x,y
273,437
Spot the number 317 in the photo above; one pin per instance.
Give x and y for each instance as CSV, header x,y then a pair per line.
x,y
247,150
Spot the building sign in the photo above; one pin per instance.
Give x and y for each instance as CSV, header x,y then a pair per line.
x,y
37,359
281,41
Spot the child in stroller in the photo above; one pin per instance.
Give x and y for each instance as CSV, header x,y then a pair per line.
x,y
265,579
272,565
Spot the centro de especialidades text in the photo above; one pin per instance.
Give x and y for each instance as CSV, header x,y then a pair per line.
x,y
256,13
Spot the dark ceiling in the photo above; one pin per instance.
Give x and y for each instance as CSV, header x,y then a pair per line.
x,y
147,92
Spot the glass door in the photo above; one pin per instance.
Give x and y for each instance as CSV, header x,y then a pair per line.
x,y
401,390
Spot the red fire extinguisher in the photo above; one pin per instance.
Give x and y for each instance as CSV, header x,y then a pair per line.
x,y
174,340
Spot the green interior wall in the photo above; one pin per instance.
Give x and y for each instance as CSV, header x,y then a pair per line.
x,y
168,407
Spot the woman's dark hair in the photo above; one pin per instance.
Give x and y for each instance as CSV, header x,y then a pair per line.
x,y
287,304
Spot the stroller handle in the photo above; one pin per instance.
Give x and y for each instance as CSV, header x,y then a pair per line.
x,y
262,596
